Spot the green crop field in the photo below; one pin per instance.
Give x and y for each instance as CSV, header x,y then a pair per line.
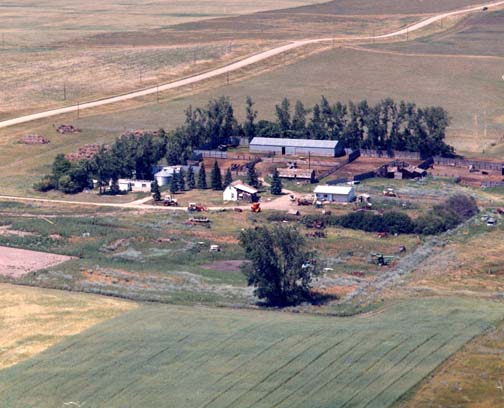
x,y
193,357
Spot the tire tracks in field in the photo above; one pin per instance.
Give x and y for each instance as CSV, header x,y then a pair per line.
x,y
262,56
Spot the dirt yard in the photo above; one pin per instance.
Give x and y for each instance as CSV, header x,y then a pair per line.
x,y
466,178
18,262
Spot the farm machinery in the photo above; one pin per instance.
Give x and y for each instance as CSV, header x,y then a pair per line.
x,y
193,207
389,192
169,201
255,207
382,260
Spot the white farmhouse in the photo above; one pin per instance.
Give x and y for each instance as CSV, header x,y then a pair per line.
x,y
238,190
338,194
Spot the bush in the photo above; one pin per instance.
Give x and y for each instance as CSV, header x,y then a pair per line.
x,y
68,186
44,185
397,222
463,205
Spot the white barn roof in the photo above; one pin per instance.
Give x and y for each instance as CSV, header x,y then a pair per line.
x,y
240,185
338,190
274,141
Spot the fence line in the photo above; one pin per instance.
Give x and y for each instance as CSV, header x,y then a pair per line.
x,y
477,164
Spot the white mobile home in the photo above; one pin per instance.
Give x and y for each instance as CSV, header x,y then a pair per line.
x,y
135,186
331,148
338,194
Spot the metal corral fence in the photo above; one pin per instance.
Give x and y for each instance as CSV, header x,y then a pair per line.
x,y
465,163
491,184
393,154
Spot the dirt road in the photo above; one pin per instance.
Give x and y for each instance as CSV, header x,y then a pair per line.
x,y
236,66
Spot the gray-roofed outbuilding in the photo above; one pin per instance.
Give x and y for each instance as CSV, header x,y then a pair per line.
x,y
331,148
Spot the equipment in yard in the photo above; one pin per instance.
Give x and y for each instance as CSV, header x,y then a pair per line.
x,y
169,201
193,207
382,235
316,234
255,207
303,201
215,248
382,260
389,192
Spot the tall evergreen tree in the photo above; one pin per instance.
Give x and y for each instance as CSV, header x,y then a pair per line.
x,y
156,193
299,120
182,180
174,184
228,178
252,178
191,182
216,177
276,183
202,182
249,127
284,117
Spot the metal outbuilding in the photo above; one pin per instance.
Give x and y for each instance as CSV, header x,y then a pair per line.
x,y
331,148
340,194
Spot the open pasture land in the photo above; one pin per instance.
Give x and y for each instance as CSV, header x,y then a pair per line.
x,y
229,358
478,34
353,74
29,23
34,319
48,61
470,378
18,262
350,7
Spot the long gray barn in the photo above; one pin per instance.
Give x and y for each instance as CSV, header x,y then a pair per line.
x,y
332,148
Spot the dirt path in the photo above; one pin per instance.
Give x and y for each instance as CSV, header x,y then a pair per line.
x,y
236,66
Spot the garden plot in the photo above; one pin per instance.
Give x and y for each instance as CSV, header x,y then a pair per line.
x,y
18,262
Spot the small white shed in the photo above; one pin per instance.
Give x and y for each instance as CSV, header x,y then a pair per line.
x,y
338,194
238,190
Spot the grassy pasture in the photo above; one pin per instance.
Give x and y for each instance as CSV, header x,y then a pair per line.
x,y
468,87
30,23
196,357
470,378
34,319
350,7
478,34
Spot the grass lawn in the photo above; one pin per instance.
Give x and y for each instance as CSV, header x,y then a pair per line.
x,y
198,357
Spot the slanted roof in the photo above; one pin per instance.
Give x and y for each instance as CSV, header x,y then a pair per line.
x,y
274,141
295,173
241,186
338,190
168,171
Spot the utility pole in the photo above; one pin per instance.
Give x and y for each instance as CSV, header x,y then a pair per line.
x,y
407,33
485,121
227,77
64,91
157,94
78,110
